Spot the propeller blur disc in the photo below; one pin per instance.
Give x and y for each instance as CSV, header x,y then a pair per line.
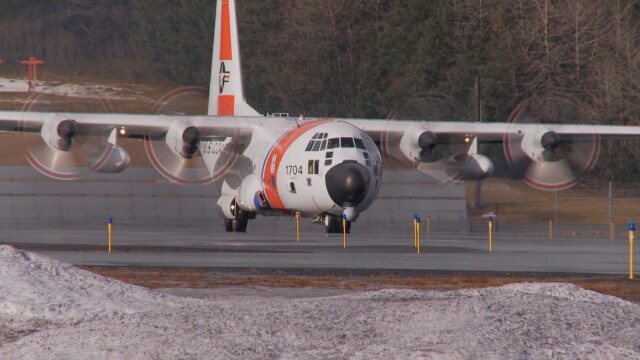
x,y
57,164
186,100
575,157
428,106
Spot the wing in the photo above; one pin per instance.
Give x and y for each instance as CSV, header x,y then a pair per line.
x,y
542,151
378,129
71,142
546,156
133,125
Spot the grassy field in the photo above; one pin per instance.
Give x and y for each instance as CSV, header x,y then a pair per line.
x,y
197,278
587,203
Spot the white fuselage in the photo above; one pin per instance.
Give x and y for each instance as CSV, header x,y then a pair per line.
x,y
291,159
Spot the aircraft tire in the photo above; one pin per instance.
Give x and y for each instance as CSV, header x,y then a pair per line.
x,y
330,223
339,225
333,224
241,221
228,225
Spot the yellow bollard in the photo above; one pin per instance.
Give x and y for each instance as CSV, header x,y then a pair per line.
x,y
418,233
297,226
632,230
490,233
415,229
344,231
110,230
550,229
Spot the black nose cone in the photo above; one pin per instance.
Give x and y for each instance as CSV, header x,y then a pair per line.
x,y
348,183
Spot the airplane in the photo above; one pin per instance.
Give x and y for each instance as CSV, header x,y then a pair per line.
x,y
326,169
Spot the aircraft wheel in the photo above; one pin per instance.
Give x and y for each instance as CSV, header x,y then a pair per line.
x,y
239,224
330,223
228,225
338,225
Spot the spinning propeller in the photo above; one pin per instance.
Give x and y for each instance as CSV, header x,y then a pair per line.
x,y
543,158
58,151
434,151
189,168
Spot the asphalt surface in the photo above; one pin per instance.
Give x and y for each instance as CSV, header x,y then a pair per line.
x,y
366,250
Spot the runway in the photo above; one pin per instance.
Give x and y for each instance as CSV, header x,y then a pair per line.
x,y
366,250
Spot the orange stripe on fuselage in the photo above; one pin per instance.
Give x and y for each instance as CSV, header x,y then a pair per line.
x,y
226,105
280,148
225,33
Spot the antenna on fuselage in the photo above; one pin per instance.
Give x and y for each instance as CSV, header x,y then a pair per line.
x,y
301,118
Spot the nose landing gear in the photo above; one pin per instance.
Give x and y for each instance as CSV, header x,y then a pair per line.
x,y
333,224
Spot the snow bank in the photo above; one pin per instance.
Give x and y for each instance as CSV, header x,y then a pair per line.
x,y
527,321
124,92
37,292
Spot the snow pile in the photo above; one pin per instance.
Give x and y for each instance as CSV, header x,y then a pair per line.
x,y
37,292
514,321
124,92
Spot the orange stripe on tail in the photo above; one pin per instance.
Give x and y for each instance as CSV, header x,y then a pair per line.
x,y
225,33
226,105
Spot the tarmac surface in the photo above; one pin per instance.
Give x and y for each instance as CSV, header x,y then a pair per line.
x,y
366,250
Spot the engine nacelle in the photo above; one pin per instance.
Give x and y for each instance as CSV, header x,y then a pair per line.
x,y
183,139
250,196
418,144
469,167
112,159
58,132
540,144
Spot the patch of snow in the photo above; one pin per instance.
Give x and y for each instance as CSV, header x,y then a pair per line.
x,y
13,85
91,91
98,318
37,292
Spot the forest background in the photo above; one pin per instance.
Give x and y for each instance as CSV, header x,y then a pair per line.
x,y
359,58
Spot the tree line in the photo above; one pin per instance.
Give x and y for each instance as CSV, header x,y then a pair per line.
x,y
358,58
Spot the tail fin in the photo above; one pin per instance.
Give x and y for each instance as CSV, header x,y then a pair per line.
x,y
226,95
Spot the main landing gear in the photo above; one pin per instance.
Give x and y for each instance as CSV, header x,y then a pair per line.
x,y
239,223
333,224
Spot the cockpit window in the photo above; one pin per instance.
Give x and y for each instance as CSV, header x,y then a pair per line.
x,y
346,142
309,146
371,146
316,146
324,145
